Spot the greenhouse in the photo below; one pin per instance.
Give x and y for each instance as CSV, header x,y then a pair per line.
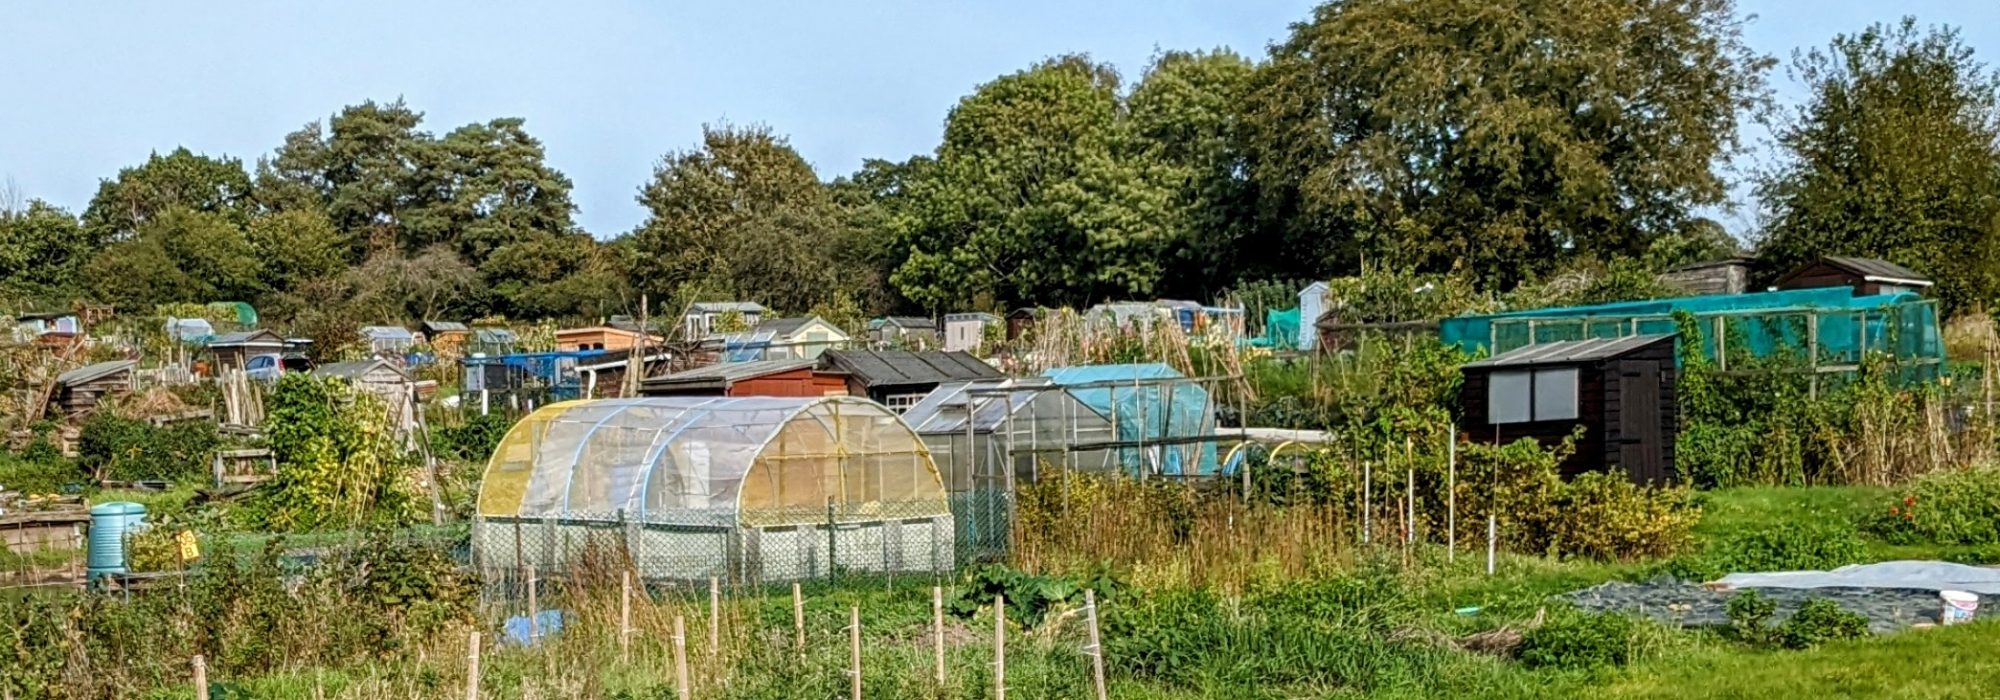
x,y
1163,422
747,489
1828,328
976,431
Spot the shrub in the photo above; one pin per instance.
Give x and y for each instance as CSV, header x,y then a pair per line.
x,y
1750,617
1820,621
36,477
127,450
1817,541
1960,506
1606,516
1580,640
338,461
471,440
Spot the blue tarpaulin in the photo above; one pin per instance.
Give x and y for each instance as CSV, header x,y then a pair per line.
x,y
1148,409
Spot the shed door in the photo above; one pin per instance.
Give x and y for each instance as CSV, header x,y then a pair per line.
x,y
1639,433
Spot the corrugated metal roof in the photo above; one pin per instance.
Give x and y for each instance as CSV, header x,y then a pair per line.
x,y
784,327
91,373
729,372
898,367
259,337
1877,269
1570,351
387,333
445,327
716,307
355,370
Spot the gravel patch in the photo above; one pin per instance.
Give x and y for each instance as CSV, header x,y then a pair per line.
x,y
1691,605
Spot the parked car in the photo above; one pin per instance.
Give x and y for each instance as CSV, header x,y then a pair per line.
x,y
268,366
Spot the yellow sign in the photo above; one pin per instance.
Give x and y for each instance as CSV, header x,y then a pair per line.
x,y
190,549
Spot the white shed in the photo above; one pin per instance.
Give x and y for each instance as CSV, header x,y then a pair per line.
x,y
1312,303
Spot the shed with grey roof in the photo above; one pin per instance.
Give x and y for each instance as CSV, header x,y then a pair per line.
x,y
1619,392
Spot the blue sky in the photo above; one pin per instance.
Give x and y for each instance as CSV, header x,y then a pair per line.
x,y
610,86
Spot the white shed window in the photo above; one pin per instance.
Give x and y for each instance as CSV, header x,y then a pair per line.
x,y
901,402
1539,395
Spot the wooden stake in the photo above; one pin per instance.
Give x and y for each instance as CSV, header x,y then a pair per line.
x,y
472,667
200,678
937,630
854,647
799,617
714,616
1451,496
534,610
1492,540
999,647
1367,501
1096,648
680,656
625,618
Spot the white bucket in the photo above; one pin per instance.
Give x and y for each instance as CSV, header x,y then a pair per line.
x,y
1957,607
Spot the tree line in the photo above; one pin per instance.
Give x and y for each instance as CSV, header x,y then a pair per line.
x,y
1497,141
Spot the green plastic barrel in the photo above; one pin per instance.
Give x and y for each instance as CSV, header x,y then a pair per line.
x,y
109,523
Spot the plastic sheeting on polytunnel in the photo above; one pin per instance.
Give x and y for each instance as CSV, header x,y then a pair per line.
x,y
712,461
1145,402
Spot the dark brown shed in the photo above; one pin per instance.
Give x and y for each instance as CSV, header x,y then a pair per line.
x,y
81,389
1867,276
1620,391
759,378
900,378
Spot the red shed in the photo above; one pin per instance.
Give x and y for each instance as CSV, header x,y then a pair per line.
x,y
760,378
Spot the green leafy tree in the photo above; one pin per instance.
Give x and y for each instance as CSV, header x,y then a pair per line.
x,y
1040,194
360,167
1186,113
296,246
742,216
1895,154
874,201
178,255
1501,135
181,179
42,248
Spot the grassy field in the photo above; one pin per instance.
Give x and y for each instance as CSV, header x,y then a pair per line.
x,y
1389,636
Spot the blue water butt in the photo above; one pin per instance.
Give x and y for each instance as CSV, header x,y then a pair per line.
x,y
109,523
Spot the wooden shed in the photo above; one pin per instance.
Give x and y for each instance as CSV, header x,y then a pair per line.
x,y
444,336
1620,391
1725,276
605,337
759,378
900,378
234,350
1021,322
81,389
1867,276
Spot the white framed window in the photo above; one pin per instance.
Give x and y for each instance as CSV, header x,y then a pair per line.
x,y
901,402
1525,396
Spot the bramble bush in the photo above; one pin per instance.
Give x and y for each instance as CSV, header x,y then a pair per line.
x,y
124,449
338,462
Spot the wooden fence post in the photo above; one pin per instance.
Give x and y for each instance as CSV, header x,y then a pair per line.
x,y
937,630
534,609
714,617
625,618
1096,646
854,647
200,678
1000,647
1451,495
472,667
680,656
799,617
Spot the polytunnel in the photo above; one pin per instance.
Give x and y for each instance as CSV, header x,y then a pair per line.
x,y
740,488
